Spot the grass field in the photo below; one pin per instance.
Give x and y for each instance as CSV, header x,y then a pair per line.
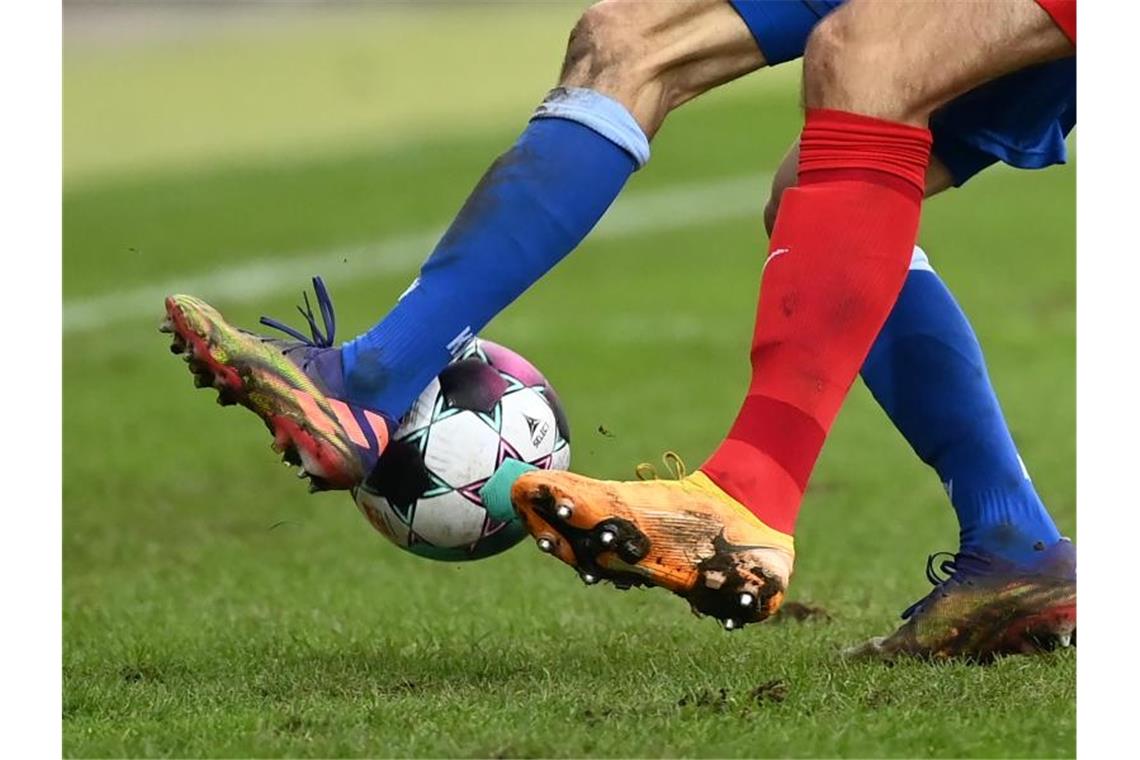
x,y
211,608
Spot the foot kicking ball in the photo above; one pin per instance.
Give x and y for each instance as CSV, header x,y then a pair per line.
x,y
487,406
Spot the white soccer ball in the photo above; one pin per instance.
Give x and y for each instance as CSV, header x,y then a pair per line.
x,y
488,405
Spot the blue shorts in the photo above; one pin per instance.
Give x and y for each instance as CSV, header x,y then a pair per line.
x,y
1020,119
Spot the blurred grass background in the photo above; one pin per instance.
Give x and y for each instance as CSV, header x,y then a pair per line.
x,y
211,608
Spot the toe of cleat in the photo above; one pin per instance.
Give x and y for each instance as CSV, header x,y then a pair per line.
x,y
195,349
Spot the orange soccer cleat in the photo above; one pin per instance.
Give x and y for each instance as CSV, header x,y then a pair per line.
x,y
686,535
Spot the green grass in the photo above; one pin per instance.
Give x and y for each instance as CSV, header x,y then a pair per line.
x,y
211,608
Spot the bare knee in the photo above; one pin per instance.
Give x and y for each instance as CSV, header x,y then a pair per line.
x,y
900,60
602,44
850,66
653,57
607,52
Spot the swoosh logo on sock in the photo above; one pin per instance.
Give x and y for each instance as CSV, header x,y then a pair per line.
x,y
774,254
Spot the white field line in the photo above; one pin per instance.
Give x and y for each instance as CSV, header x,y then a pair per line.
x,y
672,208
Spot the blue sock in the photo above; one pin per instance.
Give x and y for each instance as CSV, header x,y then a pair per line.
x,y
532,207
926,371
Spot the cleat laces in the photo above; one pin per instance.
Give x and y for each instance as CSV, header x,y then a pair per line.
x,y
673,463
945,568
316,338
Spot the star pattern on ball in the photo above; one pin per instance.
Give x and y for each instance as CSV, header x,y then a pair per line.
x,y
489,406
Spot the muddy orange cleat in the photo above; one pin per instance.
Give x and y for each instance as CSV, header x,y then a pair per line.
x,y
685,535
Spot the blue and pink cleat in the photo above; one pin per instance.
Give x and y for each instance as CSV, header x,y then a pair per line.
x,y
985,606
296,386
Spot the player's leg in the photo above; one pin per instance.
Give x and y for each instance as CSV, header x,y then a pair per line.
x,y
1011,585
873,73
330,409
838,259
855,214
627,65
927,372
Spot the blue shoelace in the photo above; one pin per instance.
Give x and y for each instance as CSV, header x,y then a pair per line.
x,y
317,337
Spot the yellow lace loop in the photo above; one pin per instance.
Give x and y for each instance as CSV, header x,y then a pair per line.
x,y
673,463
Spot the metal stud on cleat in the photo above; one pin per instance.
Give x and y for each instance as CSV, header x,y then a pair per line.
x,y
746,600
588,579
563,512
1065,640
606,537
729,624
545,545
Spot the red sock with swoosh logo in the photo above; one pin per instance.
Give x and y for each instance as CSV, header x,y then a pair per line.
x,y
838,259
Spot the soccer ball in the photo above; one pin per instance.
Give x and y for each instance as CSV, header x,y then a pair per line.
x,y
488,405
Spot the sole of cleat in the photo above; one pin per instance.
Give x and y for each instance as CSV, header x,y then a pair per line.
x,y
245,371
730,585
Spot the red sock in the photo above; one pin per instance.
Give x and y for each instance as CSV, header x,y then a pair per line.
x,y
837,261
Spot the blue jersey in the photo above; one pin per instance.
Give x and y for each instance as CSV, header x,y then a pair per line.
x,y
1021,119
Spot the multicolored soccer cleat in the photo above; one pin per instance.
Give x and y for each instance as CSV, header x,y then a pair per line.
x,y
986,606
685,535
295,386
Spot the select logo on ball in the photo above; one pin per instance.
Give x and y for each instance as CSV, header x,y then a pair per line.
x,y
538,430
